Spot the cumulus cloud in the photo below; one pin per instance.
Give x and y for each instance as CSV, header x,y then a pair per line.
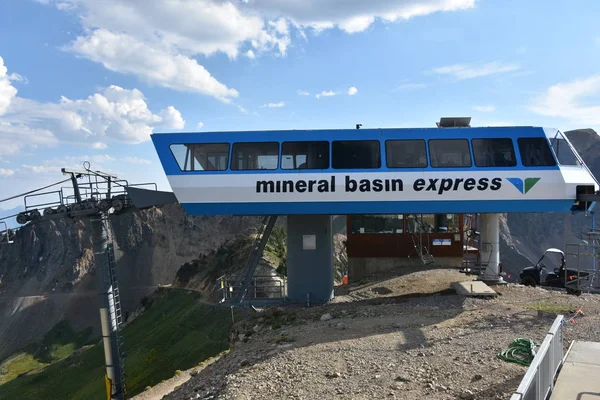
x,y
112,114
123,53
303,93
7,90
199,125
566,100
354,16
352,91
484,108
157,40
470,71
274,105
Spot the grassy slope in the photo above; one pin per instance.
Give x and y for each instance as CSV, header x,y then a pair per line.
x,y
60,342
177,331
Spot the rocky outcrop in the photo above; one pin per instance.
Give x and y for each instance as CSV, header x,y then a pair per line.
x,y
48,273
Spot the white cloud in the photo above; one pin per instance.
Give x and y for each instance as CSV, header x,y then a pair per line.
x,y
171,118
566,100
156,40
352,91
114,113
7,90
353,16
326,93
6,172
274,105
14,137
99,145
303,93
470,71
199,125
53,166
409,86
136,160
123,53
243,110
484,108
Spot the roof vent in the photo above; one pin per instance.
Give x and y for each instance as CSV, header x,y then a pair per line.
x,y
454,122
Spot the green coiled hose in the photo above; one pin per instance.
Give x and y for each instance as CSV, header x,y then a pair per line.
x,y
522,351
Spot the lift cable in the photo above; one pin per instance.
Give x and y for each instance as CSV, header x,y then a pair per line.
x,y
33,191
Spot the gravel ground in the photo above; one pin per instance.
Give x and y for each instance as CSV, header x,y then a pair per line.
x,y
394,343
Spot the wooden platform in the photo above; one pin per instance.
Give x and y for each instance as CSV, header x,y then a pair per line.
x,y
473,288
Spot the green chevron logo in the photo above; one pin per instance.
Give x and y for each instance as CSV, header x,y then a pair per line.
x,y
521,186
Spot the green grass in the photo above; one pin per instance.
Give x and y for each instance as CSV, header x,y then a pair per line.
x,y
176,332
60,342
550,308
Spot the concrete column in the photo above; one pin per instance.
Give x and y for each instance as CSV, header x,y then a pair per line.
x,y
489,247
309,258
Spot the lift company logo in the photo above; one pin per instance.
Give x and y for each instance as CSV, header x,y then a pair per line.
x,y
523,187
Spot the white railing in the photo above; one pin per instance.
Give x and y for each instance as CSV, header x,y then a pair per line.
x,y
538,382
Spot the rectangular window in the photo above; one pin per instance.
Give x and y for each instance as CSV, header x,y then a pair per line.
x,y
305,155
563,151
535,152
433,223
449,153
494,153
255,156
356,154
405,154
201,156
376,224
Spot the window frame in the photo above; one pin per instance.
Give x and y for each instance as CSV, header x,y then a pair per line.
x,y
427,163
549,147
512,144
255,143
229,147
379,152
561,136
328,152
454,166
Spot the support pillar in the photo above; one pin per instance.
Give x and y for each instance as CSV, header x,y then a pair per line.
x,y
100,238
309,259
489,247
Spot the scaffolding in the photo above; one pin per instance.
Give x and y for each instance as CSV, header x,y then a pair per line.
x,y
582,264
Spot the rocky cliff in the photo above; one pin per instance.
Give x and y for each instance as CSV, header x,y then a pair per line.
x,y
48,275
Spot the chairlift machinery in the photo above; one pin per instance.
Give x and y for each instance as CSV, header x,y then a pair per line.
x,y
99,196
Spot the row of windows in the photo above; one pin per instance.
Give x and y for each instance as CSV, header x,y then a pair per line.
x,y
410,223
366,154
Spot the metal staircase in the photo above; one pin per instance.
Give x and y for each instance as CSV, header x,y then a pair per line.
x,y
419,247
255,255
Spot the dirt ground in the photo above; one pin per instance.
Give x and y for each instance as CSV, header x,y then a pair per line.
x,y
404,337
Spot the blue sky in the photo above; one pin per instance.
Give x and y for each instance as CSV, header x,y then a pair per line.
x,y
89,80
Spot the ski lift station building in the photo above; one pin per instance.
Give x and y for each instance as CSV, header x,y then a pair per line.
x,y
405,192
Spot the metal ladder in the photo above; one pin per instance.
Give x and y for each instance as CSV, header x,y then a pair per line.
x,y
116,316
256,254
